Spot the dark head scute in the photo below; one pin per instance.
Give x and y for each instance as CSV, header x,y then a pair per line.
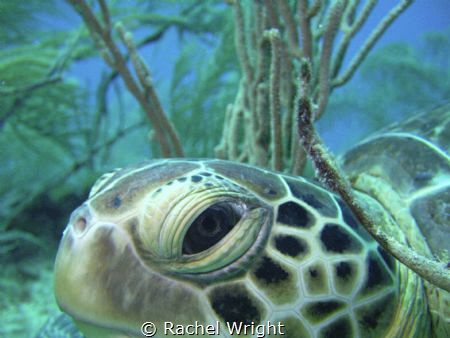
x,y
388,259
336,238
340,328
377,275
115,202
375,317
316,279
343,270
266,184
275,279
346,276
290,245
235,303
293,214
196,178
321,310
313,196
293,327
270,272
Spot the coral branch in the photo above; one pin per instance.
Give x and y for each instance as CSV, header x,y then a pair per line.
x,y
315,8
241,41
325,57
305,32
38,84
351,28
373,38
105,14
272,14
319,31
146,82
142,91
291,26
275,106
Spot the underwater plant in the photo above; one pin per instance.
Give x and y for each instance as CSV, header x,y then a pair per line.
x,y
269,49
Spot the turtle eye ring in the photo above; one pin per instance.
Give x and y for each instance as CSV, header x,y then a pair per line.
x,y
213,224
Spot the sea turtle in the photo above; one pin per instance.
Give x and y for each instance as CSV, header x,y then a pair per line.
x,y
199,242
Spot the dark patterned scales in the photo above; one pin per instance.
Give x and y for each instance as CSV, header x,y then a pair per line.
x,y
293,214
235,303
317,311
196,242
290,245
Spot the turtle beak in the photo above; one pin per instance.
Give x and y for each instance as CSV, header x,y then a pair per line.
x,y
78,260
100,280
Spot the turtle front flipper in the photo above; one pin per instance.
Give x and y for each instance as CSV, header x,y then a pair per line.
x,y
406,168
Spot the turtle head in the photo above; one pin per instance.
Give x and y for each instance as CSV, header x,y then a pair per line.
x,y
149,240
187,241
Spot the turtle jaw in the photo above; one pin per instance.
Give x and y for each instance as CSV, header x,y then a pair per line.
x,y
102,283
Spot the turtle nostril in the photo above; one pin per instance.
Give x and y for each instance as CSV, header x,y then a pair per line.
x,y
80,220
80,225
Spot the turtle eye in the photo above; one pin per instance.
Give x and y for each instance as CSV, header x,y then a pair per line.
x,y
213,224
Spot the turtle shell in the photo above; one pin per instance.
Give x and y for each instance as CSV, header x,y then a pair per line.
x,y
411,158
